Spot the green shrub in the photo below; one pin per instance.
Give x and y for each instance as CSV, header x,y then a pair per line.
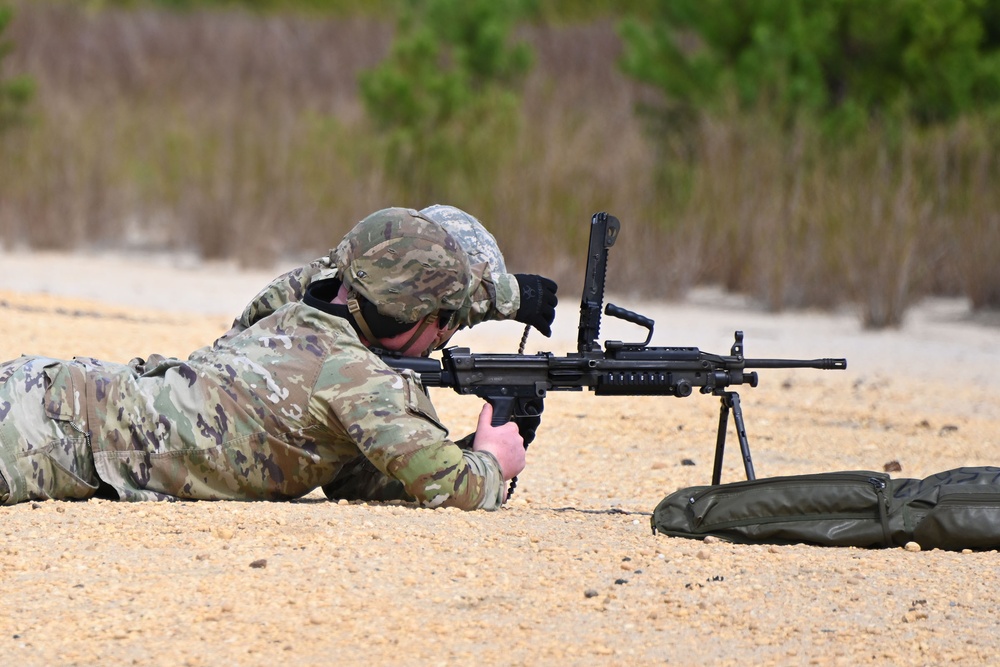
x,y
446,99
844,60
15,93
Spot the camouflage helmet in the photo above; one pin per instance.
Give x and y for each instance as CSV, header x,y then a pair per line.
x,y
482,248
470,234
405,264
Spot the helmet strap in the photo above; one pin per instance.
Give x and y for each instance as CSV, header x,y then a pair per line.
x,y
355,309
416,334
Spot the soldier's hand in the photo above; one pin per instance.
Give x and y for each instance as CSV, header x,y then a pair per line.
x,y
504,442
538,301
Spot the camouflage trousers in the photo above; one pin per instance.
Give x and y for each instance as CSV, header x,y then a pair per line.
x,y
43,453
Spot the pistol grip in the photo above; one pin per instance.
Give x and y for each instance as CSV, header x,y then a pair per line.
x,y
503,409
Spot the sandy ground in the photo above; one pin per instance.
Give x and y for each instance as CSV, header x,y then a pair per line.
x,y
569,572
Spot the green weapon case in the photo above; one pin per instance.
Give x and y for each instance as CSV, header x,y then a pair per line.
x,y
955,509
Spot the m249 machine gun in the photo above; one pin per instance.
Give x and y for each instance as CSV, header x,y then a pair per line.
x,y
516,384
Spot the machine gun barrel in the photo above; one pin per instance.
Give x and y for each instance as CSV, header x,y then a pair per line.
x,y
825,364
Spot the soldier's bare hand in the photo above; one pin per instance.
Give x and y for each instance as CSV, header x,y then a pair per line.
x,y
504,442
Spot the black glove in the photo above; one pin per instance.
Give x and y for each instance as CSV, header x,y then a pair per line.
x,y
538,301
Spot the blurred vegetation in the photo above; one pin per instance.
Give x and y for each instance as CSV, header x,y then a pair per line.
x,y
840,107
449,86
547,10
15,92
843,62
835,154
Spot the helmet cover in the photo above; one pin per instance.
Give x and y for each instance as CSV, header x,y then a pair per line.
x,y
474,238
406,264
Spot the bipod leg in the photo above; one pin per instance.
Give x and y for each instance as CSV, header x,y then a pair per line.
x,y
741,432
731,400
720,441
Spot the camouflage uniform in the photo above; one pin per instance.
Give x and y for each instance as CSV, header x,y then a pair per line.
x,y
495,294
294,402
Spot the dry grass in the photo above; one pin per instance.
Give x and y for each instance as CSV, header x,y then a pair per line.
x,y
239,135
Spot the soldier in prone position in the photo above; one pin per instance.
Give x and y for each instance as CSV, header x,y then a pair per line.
x,y
291,399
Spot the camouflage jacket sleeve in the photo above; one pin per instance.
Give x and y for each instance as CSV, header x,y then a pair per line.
x,y
391,419
286,288
494,297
